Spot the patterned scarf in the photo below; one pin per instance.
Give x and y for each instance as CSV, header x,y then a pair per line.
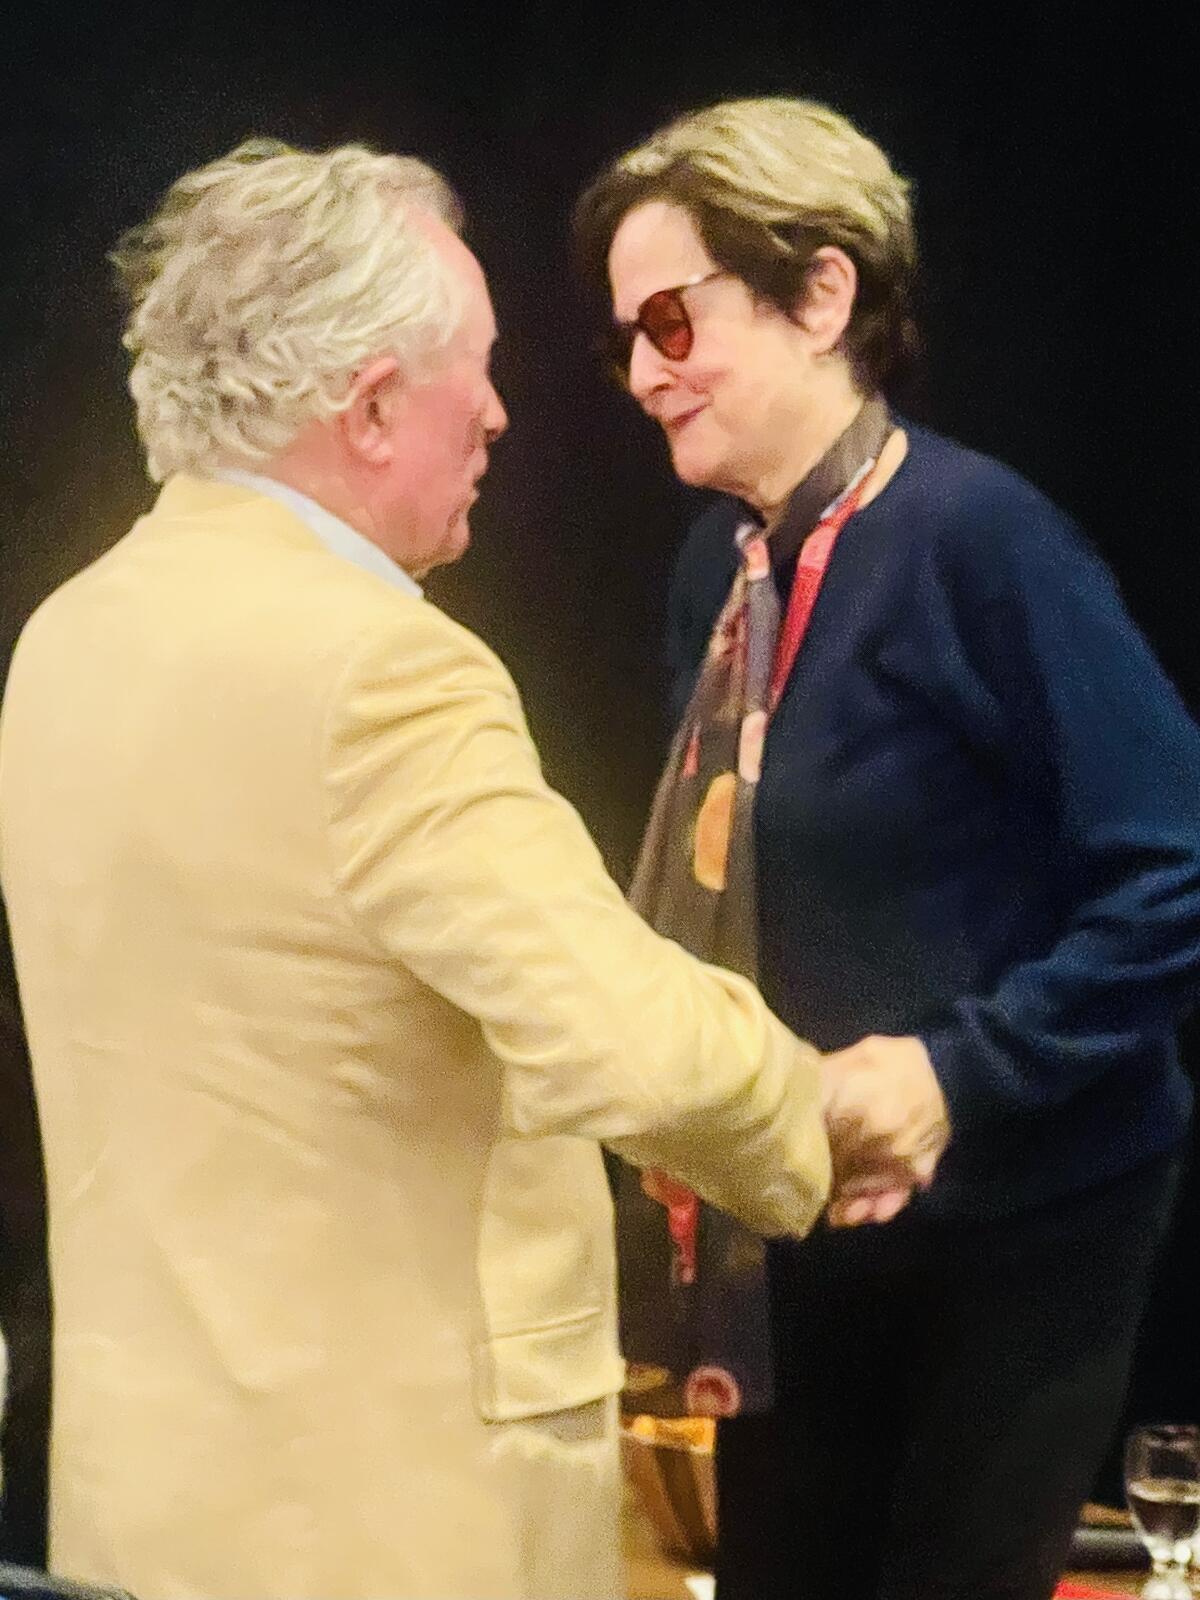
x,y
702,1313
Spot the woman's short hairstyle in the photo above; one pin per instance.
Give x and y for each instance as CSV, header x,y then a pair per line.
x,y
768,182
260,284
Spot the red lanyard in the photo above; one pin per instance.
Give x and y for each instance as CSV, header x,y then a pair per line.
x,y
811,567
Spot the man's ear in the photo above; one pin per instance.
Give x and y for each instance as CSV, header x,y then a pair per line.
x,y
824,305
368,422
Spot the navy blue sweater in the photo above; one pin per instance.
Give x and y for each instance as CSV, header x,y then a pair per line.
x,y
978,822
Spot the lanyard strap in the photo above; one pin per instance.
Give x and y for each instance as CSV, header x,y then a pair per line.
x,y
813,563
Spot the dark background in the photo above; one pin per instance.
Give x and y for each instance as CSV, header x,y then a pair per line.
x,y
1052,195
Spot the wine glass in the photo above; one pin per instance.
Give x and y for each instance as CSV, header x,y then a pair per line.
x,y
1162,1486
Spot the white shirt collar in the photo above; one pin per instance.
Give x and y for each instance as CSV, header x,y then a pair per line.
x,y
336,535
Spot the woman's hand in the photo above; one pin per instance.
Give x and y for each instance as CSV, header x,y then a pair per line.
x,y
887,1123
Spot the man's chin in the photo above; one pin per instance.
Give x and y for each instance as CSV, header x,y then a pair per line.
x,y
458,537
452,548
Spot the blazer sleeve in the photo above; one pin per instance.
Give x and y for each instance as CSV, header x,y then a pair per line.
x,y
459,861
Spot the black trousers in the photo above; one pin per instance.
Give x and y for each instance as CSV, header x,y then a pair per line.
x,y
946,1392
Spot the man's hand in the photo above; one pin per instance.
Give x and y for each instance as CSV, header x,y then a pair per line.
x,y
887,1123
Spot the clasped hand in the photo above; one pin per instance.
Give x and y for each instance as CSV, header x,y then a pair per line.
x,y
887,1123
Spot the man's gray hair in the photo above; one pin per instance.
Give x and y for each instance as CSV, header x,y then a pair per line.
x,y
264,281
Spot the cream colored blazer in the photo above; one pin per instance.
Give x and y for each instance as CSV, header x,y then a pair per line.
x,y
329,1001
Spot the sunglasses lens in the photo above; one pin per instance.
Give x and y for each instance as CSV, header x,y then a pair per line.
x,y
664,320
666,324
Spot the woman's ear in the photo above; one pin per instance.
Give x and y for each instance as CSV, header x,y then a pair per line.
x,y
824,305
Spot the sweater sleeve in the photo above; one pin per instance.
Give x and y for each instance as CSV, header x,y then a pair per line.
x,y
1097,749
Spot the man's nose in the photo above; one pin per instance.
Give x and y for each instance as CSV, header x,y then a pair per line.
x,y
495,417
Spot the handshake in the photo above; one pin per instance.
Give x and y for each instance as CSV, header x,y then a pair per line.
x,y
887,1124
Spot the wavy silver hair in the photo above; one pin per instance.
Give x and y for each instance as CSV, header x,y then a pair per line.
x,y
261,283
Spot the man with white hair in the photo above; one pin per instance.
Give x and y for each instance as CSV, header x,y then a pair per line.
x,y
329,997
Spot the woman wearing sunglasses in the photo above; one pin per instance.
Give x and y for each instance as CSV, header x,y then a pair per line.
x,y
930,786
